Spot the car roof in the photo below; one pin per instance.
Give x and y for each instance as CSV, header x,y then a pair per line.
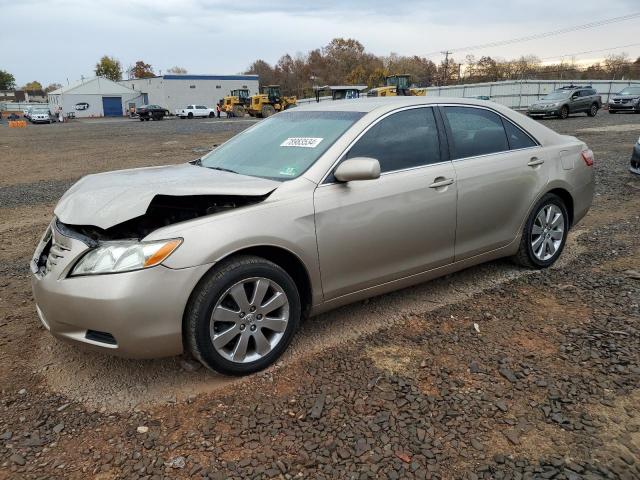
x,y
369,104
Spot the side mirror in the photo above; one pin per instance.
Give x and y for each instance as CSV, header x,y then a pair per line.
x,y
574,96
360,168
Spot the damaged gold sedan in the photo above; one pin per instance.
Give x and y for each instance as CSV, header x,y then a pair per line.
x,y
308,210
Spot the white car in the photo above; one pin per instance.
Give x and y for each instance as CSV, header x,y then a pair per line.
x,y
39,116
191,111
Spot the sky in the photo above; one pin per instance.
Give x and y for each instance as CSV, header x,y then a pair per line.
x,y
61,40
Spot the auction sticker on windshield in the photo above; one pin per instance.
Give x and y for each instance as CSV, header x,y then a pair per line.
x,y
304,142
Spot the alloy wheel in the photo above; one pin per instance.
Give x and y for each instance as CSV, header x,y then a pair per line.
x,y
547,232
249,320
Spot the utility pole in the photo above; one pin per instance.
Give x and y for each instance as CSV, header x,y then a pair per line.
x,y
446,54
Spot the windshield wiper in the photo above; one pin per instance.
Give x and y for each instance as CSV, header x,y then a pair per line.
x,y
222,169
197,161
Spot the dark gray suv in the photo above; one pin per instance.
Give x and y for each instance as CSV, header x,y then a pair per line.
x,y
565,101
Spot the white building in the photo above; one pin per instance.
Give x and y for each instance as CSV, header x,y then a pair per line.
x,y
178,91
95,97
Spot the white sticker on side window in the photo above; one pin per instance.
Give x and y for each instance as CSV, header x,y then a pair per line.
x,y
304,142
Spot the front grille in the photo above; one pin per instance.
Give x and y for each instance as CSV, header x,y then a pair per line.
x,y
102,337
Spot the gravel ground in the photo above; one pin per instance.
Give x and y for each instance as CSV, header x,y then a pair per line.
x,y
401,386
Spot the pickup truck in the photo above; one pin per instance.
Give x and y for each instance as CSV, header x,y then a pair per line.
x,y
191,111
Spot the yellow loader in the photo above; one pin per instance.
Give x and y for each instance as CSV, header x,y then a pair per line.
x,y
236,104
269,102
396,85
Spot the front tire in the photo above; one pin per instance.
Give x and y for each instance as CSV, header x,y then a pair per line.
x,y
238,111
564,112
242,315
267,111
190,115
545,233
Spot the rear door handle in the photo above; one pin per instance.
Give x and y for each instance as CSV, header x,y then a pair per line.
x,y
441,182
535,161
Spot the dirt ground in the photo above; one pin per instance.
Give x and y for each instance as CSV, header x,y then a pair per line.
x,y
400,386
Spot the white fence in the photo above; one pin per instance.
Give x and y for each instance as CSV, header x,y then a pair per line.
x,y
522,93
19,107
517,94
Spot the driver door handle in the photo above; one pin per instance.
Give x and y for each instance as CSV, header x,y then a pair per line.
x,y
441,182
535,161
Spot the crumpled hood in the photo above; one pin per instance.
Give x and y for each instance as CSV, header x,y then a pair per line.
x,y
107,199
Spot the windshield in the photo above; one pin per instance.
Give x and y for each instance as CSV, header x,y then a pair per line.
x,y
630,91
281,147
559,95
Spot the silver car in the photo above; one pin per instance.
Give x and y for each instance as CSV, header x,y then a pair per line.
x,y
40,115
311,209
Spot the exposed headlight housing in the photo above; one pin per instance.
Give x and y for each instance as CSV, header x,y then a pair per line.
x,y
124,256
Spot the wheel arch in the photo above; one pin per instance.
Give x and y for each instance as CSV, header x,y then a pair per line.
x,y
284,258
567,198
561,192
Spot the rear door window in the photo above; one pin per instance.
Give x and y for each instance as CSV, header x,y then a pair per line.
x,y
474,132
402,140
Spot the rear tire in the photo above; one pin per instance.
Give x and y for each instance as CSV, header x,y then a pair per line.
x,y
212,114
217,292
593,110
544,234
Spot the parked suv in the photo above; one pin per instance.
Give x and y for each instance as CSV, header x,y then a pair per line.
x,y
567,100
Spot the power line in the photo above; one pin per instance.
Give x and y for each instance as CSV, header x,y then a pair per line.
x,y
538,36
592,51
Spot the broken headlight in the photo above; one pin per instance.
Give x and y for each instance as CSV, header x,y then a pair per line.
x,y
124,256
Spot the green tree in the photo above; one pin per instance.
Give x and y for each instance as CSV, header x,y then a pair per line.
x,y
33,86
7,81
109,67
142,70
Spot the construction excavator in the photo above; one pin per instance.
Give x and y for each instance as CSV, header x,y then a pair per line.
x,y
270,101
236,104
397,85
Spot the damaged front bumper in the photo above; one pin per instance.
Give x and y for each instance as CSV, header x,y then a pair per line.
x,y
134,314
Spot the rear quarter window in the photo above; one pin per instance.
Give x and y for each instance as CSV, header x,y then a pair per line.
x,y
517,137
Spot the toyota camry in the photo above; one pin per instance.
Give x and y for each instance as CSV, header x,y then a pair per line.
x,y
313,208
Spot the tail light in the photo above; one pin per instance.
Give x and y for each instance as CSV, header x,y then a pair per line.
x,y
587,156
